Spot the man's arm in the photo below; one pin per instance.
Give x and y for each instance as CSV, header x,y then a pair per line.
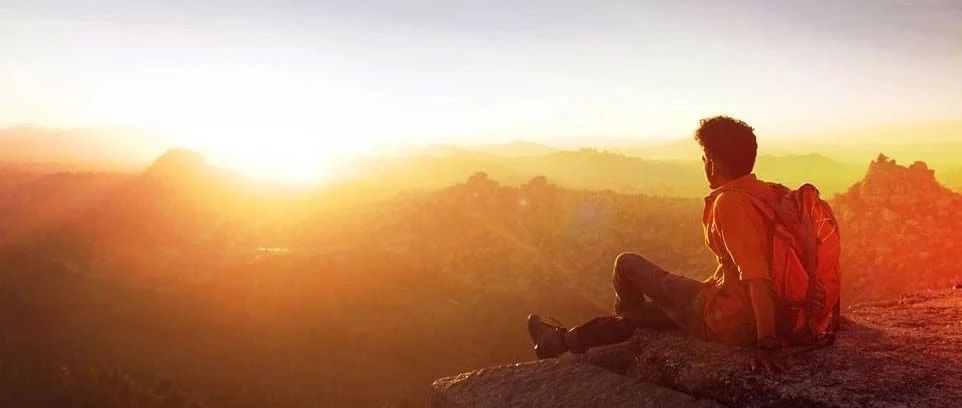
x,y
763,305
747,242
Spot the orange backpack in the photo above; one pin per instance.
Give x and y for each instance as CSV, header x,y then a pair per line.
x,y
806,277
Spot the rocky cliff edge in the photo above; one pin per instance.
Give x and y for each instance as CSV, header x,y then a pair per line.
x,y
902,353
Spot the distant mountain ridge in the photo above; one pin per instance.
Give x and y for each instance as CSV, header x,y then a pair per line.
x,y
662,167
78,149
594,169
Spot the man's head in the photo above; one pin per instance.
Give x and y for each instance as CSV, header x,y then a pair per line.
x,y
729,146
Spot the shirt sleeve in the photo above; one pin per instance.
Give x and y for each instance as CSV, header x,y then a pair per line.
x,y
744,234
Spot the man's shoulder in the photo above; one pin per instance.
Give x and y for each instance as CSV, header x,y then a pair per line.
x,y
731,199
737,206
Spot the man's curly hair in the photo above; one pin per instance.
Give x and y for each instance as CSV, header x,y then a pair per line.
x,y
730,143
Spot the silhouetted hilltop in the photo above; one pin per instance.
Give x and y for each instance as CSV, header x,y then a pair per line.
x,y
185,175
900,232
178,163
886,177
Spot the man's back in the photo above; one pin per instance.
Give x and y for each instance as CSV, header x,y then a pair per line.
x,y
740,237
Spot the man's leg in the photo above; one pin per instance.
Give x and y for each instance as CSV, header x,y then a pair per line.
x,y
636,278
611,329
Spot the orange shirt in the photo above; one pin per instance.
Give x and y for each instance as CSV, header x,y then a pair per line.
x,y
740,237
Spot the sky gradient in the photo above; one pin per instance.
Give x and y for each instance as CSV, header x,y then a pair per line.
x,y
352,76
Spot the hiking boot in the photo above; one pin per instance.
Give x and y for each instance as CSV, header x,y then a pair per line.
x,y
548,339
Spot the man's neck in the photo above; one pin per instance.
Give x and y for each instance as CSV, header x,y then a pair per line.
x,y
726,181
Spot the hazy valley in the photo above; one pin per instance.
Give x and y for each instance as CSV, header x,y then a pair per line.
x,y
183,283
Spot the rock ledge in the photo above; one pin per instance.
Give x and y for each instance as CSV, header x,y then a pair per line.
x,y
891,354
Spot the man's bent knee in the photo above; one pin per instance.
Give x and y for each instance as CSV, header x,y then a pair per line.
x,y
631,262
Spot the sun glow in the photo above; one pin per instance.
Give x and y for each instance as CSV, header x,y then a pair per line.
x,y
265,147
291,167
266,157
264,126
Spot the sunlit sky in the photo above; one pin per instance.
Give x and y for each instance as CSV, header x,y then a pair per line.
x,y
279,84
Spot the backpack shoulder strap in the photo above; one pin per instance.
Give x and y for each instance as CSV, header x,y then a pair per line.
x,y
770,210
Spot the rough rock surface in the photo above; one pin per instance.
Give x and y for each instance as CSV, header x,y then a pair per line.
x,y
904,353
566,382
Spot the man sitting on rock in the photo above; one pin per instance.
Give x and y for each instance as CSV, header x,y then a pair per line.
x,y
736,305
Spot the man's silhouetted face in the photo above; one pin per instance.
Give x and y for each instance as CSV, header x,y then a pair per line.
x,y
712,173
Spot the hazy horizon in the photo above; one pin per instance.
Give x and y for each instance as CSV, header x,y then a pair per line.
x,y
279,90
669,169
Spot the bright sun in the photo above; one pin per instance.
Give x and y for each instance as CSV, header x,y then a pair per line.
x,y
276,156
265,126
292,168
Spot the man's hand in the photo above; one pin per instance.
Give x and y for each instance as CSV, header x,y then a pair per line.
x,y
768,361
